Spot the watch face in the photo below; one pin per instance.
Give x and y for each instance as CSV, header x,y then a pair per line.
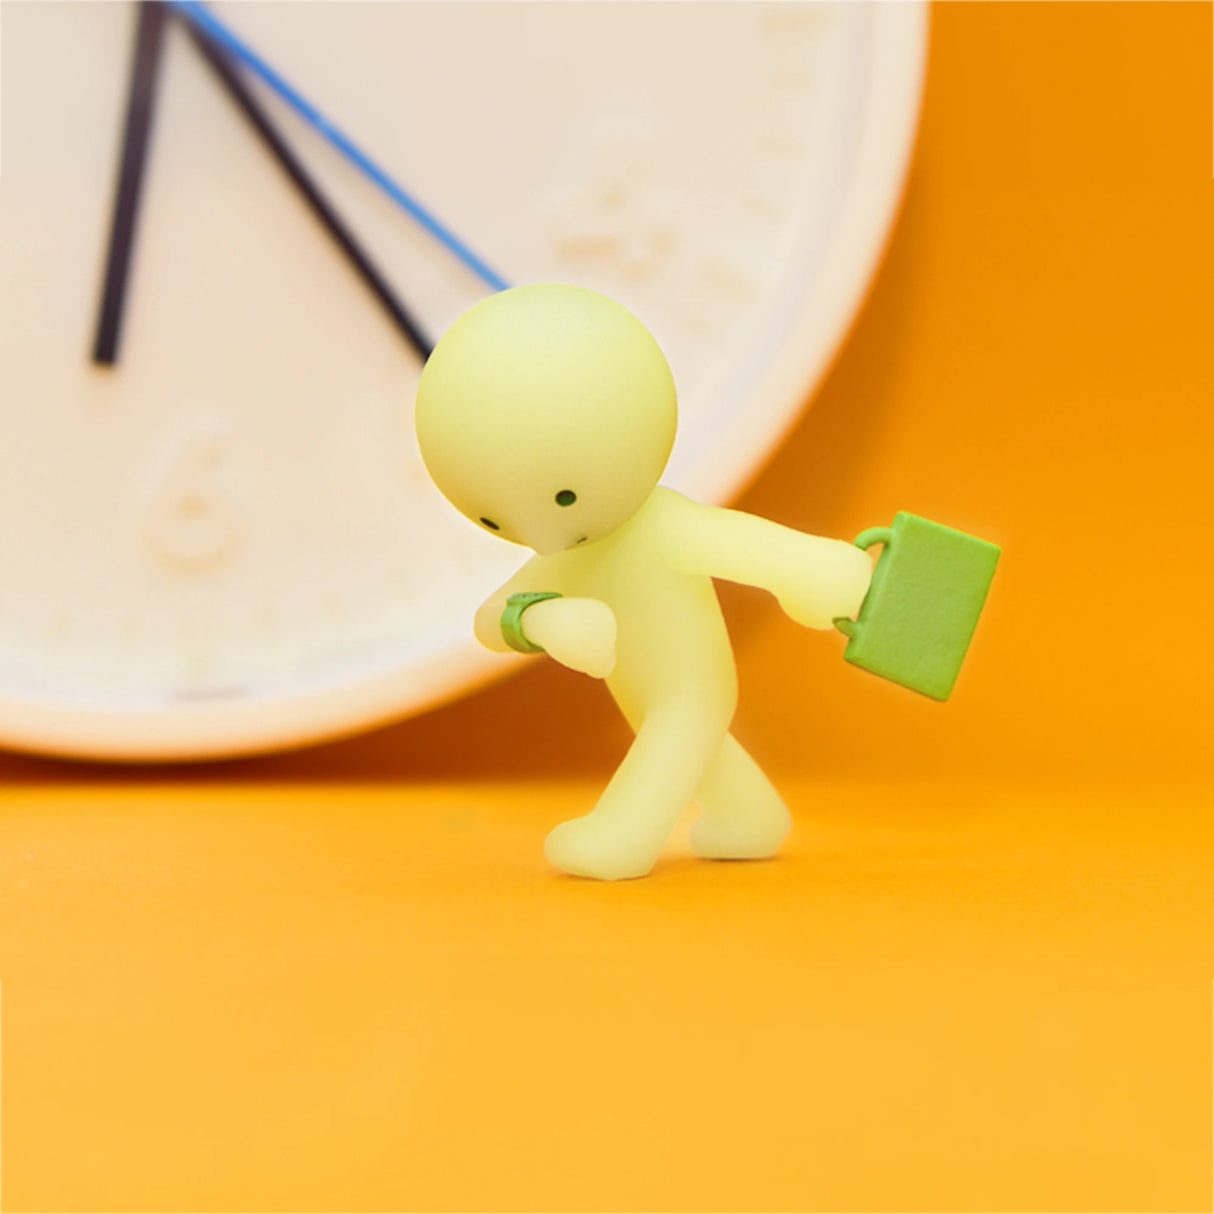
x,y
225,541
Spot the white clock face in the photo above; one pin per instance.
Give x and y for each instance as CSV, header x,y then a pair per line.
x,y
226,541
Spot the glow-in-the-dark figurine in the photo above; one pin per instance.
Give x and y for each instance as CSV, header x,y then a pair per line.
x,y
547,414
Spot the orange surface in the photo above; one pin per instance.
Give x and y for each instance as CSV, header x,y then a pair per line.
x,y
981,978
941,997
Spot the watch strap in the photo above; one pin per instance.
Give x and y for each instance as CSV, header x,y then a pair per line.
x,y
512,619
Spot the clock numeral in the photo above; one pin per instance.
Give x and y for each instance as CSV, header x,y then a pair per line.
x,y
709,293
765,206
194,519
785,19
612,206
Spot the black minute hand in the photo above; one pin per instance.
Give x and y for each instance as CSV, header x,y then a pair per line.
x,y
145,71
229,75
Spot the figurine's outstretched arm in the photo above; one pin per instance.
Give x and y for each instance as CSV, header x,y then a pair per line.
x,y
816,580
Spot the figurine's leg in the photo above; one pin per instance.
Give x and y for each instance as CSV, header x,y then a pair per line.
x,y
624,833
744,817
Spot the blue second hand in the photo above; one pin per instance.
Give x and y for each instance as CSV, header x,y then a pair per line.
x,y
194,11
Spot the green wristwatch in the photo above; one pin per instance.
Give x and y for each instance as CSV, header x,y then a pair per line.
x,y
512,619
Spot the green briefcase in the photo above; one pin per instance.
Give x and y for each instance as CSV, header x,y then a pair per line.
x,y
923,604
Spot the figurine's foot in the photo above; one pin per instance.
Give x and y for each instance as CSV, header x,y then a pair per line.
x,y
743,836
744,817
624,834
595,846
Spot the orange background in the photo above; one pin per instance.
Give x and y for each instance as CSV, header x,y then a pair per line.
x,y
980,978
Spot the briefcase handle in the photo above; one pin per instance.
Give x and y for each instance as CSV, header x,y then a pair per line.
x,y
866,540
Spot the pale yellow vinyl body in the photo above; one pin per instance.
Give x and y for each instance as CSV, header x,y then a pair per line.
x,y
547,414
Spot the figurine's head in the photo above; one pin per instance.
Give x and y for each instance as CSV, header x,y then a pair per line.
x,y
546,415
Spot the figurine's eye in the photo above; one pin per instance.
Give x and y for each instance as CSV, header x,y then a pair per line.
x,y
490,524
566,497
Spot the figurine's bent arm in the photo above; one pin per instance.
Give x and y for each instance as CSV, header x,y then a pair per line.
x,y
816,580
488,622
577,632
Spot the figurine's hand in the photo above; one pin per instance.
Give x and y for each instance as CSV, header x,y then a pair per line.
x,y
835,586
578,633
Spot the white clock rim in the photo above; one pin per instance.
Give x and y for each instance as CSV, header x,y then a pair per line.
x,y
262,724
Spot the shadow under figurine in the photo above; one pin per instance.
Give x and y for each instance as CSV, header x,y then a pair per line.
x,y
547,414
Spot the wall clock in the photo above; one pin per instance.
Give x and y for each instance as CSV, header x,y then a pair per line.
x,y
223,541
